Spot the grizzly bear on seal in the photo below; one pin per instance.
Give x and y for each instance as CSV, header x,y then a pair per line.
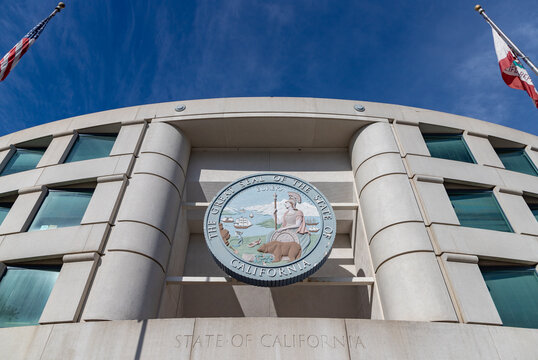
x,y
278,249
225,234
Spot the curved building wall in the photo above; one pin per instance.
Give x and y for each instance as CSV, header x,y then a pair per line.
x,y
139,252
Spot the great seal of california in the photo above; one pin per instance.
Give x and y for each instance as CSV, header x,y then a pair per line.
x,y
270,229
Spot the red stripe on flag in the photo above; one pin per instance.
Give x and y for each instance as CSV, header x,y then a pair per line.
x,y
9,62
511,80
512,72
25,46
515,81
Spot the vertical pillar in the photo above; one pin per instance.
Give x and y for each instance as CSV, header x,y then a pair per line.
x,y
408,276
131,276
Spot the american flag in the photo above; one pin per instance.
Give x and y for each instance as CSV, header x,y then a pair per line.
x,y
11,59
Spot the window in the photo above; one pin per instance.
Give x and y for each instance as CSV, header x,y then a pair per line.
x,y
478,209
532,202
516,160
448,146
61,208
24,291
22,160
514,291
91,146
534,210
4,210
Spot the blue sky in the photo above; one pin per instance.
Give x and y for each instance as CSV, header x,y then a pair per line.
x,y
102,54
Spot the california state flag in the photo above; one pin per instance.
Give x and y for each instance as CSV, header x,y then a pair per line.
x,y
513,73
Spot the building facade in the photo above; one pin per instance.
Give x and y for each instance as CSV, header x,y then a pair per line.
x,y
102,245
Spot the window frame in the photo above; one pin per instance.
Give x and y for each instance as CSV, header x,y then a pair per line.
x,y
46,267
523,153
492,267
533,207
77,136
476,191
450,135
74,189
12,153
3,205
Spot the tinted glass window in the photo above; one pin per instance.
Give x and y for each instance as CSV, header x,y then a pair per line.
x,y
90,146
24,291
61,208
22,160
4,209
534,210
516,160
448,146
514,291
478,209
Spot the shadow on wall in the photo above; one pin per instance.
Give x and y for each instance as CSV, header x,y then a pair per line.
x,y
210,171
288,301
225,300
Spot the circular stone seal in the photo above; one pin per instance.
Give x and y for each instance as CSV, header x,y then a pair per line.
x,y
270,229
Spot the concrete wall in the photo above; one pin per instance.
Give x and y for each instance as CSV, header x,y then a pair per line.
x,y
395,222
403,258
130,277
267,338
459,250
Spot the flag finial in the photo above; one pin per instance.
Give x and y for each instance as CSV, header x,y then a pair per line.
x,y
8,62
478,8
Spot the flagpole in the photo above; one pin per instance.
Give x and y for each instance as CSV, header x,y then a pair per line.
x,y
57,9
512,46
11,59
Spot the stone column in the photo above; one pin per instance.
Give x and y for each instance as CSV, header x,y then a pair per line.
x,y
131,275
408,276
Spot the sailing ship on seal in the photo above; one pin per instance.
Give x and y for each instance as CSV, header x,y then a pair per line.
x,y
242,223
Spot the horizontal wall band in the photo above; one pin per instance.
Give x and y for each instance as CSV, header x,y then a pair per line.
x,y
469,259
377,178
145,223
110,178
335,206
162,177
430,179
91,256
32,189
135,122
138,253
392,224
401,254
171,158
215,280
406,122
477,134
511,191
373,156
63,133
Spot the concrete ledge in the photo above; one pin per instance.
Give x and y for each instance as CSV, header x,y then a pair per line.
x,y
511,191
404,122
267,338
104,179
63,133
91,256
477,134
431,179
53,243
470,259
32,189
315,280
490,244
